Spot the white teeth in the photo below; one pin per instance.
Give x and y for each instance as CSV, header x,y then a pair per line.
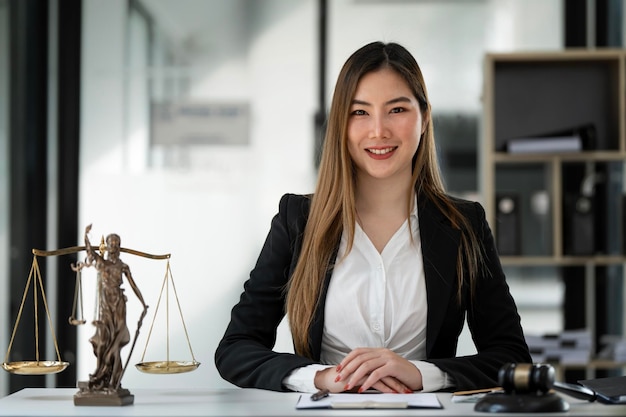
x,y
381,151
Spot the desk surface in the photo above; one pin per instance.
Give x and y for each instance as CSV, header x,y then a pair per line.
x,y
239,402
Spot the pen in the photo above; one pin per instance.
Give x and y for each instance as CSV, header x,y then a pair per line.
x,y
476,391
320,394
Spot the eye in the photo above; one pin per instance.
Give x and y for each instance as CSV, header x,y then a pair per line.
x,y
358,112
397,110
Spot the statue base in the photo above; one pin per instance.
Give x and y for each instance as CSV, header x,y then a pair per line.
x,y
91,397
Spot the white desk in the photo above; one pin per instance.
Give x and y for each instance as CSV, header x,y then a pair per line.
x,y
239,402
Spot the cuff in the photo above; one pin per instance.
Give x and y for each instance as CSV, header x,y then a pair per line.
x,y
303,379
433,378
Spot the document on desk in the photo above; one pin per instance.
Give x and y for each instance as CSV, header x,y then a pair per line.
x,y
382,400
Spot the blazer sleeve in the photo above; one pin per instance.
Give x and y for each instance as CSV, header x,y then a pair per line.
x,y
244,356
492,318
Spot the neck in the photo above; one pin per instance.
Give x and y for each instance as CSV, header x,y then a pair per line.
x,y
383,198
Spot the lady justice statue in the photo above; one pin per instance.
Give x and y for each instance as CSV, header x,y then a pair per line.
x,y
111,334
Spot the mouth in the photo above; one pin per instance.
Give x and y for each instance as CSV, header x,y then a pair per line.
x,y
381,151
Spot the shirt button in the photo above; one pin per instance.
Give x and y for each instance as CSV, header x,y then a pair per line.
x,y
376,327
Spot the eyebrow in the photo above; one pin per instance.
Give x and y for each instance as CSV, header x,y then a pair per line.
x,y
401,99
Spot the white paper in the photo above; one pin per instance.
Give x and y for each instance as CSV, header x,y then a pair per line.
x,y
382,400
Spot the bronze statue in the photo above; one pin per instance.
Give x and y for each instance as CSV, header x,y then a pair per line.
x,y
111,333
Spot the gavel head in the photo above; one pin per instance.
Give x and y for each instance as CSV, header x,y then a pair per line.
x,y
526,378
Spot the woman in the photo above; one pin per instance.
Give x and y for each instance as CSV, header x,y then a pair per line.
x,y
378,269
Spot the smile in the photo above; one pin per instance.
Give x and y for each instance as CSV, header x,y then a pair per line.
x,y
382,151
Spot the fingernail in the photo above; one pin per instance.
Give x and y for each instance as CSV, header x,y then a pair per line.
x,y
408,391
347,387
338,378
361,390
339,368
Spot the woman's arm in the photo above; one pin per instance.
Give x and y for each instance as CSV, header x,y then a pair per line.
x,y
492,319
244,356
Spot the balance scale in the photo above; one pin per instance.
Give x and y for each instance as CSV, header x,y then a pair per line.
x,y
104,386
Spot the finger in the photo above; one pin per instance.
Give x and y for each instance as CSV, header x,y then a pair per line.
x,y
374,378
385,370
379,386
363,374
349,358
355,359
396,385
388,384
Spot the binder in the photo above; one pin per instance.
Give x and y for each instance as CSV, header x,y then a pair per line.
x,y
578,227
573,139
508,213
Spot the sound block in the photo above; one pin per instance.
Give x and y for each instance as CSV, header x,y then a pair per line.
x,y
501,402
91,397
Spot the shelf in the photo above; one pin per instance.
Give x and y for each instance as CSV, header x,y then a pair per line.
x,y
544,207
569,55
561,260
590,367
593,364
597,156
527,94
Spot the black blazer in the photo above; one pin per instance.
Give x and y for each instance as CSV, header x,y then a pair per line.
x,y
245,357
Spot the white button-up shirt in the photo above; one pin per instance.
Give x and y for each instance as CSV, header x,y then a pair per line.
x,y
376,300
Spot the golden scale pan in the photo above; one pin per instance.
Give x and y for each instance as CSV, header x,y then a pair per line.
x,y
41,367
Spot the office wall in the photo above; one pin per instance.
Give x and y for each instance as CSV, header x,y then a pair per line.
x,y
211,207
448,38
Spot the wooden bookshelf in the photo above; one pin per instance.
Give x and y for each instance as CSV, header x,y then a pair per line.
x,y
525,94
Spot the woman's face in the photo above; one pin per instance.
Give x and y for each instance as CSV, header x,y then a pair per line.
x,y
384,126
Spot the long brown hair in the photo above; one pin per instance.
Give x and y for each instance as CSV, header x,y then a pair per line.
x,y
333,204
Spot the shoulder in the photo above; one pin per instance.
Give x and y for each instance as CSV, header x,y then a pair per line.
x,y
471,210
474,214
295,204
293,211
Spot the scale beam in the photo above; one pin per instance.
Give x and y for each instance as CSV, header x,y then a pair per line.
x,y
76,249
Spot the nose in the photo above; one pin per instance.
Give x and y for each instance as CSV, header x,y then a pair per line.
x,y
380,126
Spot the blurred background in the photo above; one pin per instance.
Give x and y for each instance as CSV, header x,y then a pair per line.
x,y
178,124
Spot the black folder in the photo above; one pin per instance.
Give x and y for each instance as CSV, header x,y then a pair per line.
x,y
611,390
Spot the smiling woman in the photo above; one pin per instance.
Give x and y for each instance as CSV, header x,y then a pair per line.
x,y
380,265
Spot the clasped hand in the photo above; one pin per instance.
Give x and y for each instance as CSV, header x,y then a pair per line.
x,y
365,368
